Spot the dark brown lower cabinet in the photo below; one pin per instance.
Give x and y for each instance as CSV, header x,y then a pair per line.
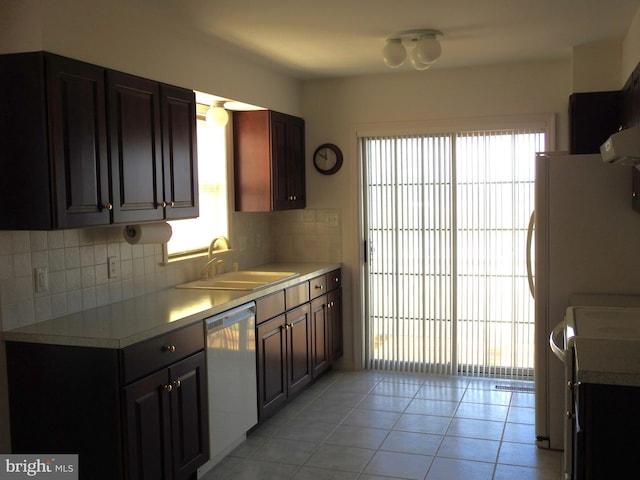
x,y
299,336
272,365
334,312
320,339
165,429
284,358
124,422
326,327
606,442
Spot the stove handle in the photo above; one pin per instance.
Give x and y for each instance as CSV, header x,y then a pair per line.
x,y
557,332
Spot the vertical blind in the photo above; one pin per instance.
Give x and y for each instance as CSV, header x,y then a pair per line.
x,y
446,224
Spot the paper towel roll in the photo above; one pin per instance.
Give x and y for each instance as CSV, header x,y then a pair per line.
x,y
147,233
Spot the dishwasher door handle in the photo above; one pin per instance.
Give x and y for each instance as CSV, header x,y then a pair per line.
x,y
230,317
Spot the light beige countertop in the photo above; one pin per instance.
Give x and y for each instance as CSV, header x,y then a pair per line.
x,y
121,324
607,361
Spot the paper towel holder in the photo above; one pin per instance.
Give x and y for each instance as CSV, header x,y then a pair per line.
x,y
147,233
130,231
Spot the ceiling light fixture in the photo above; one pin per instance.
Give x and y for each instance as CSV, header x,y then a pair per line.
x,y
217,115
426,48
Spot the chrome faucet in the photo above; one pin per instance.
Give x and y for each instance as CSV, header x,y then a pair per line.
x,y
219,264
204,273
214,244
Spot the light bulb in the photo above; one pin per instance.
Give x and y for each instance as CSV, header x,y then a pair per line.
x,y
394,53
427,49
416,62
217,115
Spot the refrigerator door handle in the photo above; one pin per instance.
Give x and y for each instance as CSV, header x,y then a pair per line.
x,y
532,221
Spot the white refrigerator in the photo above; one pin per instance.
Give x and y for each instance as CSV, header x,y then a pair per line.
x,y
587,241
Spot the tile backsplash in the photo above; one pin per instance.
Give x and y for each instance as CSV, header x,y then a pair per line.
x,y
78,276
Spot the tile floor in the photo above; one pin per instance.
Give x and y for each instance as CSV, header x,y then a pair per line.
x,y
376,425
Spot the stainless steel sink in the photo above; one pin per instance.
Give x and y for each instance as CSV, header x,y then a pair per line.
x,y
243,280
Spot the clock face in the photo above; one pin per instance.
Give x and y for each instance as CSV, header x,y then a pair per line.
x,y
327,159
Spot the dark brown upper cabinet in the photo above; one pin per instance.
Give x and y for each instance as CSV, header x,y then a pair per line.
x,y
53,143
81,146
179,152
136,148
631,118
268,161
593,117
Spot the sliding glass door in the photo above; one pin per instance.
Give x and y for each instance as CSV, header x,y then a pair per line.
x,y
446,220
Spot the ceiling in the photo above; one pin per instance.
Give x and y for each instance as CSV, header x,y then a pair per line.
x,y
335,38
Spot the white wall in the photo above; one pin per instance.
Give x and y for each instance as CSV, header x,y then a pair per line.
x,y
334,108
138,38
597,67
631,48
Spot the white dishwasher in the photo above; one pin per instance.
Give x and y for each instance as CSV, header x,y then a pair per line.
x,y
231,375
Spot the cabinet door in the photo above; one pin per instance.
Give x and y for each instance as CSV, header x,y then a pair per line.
x,y
189,415
287,150
334,312
320,339
179,152
279,161
268,161
635,189
136,148
252,169
78,135
593,117
298,330
296,166
147,428
272,365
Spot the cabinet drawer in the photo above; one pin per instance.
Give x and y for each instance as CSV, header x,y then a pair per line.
x,y
269,306
318,286
297,295
334,280
150,355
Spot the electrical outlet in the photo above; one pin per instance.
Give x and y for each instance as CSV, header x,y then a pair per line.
x,y
112,265
332,220
41,277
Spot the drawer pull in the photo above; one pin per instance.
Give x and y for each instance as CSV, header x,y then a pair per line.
x,y
319,287
169,348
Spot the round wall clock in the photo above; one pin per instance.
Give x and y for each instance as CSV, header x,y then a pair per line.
x,y
327,159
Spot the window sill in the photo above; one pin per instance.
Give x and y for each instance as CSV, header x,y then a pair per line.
x,y
168,259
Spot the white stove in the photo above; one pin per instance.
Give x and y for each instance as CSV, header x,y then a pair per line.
x,y
592,322
603,322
